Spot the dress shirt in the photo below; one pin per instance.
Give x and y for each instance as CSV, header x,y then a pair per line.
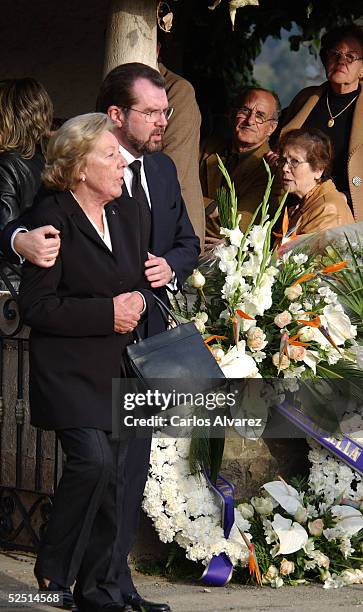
x,y
129,175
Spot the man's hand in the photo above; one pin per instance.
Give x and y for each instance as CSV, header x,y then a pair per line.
x,y
158,272
272,159
39,246
127,308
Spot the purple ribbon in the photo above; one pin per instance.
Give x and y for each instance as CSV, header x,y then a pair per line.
x,y
219,570
344,447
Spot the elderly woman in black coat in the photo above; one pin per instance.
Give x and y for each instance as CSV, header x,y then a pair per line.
x,y
82,312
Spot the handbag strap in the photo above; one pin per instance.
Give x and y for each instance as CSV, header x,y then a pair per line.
x,y
165,312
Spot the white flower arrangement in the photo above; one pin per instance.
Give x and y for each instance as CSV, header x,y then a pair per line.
x,y
275,315
183,509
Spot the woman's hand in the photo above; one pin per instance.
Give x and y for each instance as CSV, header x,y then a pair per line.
x,y
127,311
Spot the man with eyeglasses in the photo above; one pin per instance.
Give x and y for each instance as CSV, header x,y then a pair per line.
x,y
254,117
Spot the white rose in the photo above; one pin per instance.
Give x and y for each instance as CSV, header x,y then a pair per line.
x,y
316,527
283,319
200,320
287,567
297,353
198,280
256,339
218,354
320,559
349,576
246,510
271,573
262,505
294,292
285,361
199,325
301,515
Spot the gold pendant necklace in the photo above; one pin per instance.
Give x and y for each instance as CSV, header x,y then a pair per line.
x,y
331,121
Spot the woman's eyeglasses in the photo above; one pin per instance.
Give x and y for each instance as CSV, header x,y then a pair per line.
x,y
335,56
292,163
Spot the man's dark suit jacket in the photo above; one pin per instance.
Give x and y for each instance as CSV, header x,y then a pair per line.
x,y
173,236
74,351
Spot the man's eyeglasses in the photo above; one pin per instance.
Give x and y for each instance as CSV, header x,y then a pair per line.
x,y
292,163
155,115
245,112
335,56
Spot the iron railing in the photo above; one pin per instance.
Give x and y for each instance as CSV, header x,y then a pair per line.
x,y
30,459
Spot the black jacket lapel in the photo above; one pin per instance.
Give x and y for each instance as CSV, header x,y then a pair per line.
x,y
68,203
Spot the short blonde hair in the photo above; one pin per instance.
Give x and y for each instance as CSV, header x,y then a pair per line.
x,y
26,114
69,146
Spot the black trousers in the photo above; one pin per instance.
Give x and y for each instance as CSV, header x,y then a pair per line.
x,y
96,508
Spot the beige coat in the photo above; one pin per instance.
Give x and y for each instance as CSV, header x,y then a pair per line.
x,y
249,177
181,143
324,207
296,115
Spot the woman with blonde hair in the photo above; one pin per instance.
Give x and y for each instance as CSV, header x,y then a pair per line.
x,y
26,114
82,312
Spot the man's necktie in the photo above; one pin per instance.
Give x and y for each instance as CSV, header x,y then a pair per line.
x,y
137,192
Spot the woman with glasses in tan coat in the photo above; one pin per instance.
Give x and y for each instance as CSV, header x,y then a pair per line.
x,y
305,161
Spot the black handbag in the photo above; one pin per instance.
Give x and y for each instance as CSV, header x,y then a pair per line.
x,y
179,353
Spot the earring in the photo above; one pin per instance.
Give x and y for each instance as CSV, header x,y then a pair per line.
x,y
83,178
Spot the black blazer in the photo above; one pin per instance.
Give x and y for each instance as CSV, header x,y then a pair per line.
x,y
173,236
74,352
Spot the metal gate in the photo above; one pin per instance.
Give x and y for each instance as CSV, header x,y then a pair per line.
x,y
30,459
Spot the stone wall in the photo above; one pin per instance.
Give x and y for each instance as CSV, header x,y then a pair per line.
x,y
59,43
